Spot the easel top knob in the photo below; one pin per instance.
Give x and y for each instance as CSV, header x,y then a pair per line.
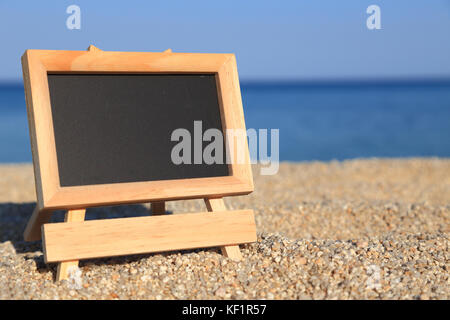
x,y
92,48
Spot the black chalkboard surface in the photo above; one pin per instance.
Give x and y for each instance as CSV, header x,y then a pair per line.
x,y
115,128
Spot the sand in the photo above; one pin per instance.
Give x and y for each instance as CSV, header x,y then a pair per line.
x,y
360,229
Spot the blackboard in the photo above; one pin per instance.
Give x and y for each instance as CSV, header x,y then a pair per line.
x,y
116,128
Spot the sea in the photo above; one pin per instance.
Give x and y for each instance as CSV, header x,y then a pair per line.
x,y
319,120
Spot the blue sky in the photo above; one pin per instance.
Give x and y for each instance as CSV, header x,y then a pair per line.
x,y
273,40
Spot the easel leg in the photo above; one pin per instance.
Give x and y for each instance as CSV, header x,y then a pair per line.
x,y
38,218
64,267
231,252
158,208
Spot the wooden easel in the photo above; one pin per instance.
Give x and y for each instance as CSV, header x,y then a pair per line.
x,y
33,230
75,239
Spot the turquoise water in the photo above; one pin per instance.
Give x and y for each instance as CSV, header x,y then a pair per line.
x,y
319,121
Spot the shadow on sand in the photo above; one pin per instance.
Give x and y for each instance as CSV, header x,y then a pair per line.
x,y
14,218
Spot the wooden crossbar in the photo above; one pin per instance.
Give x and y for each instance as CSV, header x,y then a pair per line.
x,y
113,237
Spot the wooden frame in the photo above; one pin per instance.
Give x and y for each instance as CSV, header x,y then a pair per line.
x,y
75,239
51,196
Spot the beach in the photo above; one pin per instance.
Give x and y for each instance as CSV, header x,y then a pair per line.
x,y
353,229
